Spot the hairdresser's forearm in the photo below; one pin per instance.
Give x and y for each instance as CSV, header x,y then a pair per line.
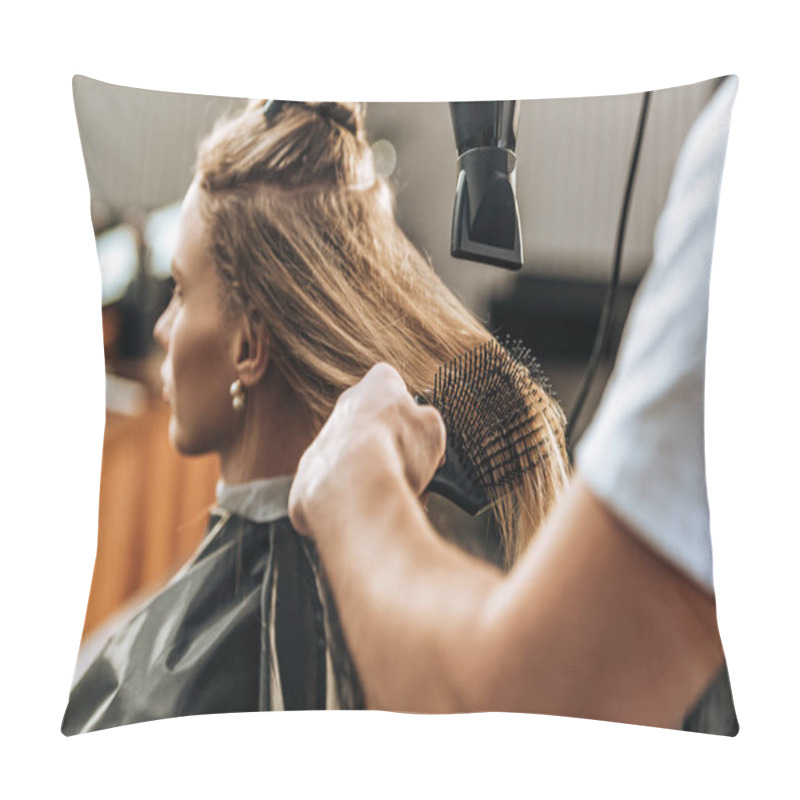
x,y
590,623
407,599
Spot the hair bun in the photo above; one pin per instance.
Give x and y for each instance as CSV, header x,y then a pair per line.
x,y
349,115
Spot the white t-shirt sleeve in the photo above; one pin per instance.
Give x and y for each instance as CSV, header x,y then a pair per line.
x,y
643,454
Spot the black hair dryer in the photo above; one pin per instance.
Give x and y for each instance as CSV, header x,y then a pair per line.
x,y
485,215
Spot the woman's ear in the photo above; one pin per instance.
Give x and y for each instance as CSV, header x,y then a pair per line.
x,y
252,351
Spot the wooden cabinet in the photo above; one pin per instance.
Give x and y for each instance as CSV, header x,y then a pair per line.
x,y
153,510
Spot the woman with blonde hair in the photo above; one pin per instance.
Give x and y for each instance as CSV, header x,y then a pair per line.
x,y
292,279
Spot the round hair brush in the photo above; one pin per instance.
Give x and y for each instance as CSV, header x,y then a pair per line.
x,y
492,400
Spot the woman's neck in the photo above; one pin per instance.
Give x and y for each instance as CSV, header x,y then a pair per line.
x,y
272,438
235,469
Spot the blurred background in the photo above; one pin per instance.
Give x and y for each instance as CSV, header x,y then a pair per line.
x,y
573,157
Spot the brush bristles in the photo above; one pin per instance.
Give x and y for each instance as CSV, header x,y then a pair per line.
x,y
492,400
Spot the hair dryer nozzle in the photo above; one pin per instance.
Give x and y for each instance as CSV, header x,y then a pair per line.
x,y
485,215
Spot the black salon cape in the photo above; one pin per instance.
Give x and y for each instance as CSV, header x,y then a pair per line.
x,y
247,625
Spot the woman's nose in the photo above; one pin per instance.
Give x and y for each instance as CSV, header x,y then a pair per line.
x,y
162,327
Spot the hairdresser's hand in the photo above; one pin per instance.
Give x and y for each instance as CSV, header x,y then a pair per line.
x,y
376,440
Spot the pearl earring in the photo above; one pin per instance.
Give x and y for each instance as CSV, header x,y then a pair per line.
x,y
237,395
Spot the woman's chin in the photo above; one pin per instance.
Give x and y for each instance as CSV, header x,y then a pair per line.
x,y
177,440
184,444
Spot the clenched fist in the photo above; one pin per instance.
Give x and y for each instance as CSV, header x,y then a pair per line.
x,y
376,436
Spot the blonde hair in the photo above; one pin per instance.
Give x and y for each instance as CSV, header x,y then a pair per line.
x,y
303,234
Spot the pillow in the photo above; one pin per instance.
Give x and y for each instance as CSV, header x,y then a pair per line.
x,y
203,599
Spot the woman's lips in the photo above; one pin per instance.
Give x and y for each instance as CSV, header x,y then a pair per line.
x,y
164,388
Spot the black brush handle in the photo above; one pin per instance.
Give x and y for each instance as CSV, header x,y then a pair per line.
x,y
456,482
456,479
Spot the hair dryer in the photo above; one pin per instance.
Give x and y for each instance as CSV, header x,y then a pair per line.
x,y
485,215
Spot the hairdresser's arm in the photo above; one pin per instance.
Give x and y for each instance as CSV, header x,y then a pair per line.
x,y
590,622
